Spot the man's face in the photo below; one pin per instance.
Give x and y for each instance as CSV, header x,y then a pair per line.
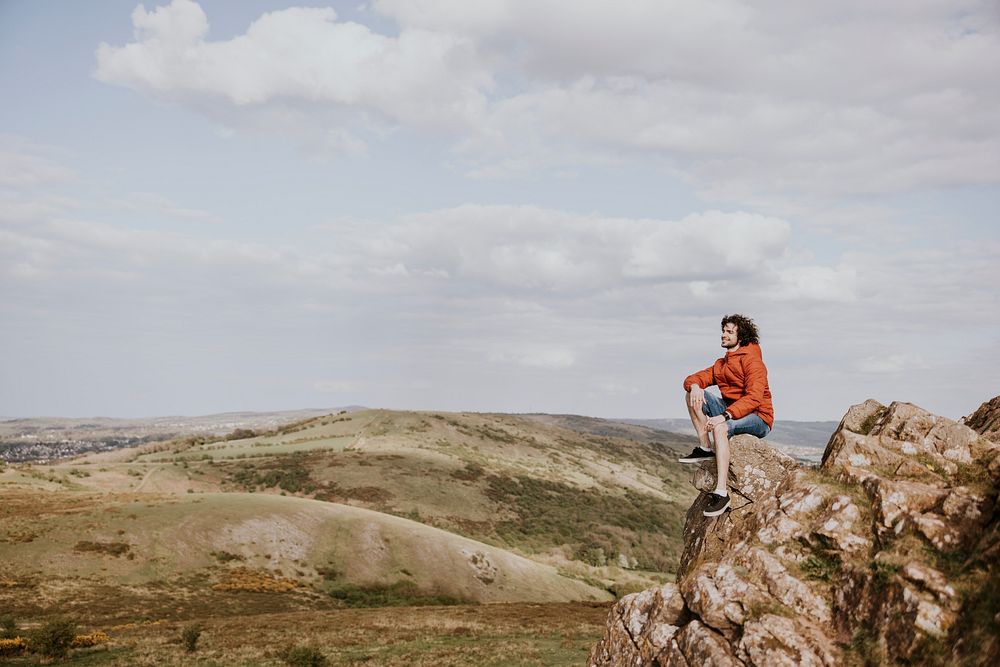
x,y
730,336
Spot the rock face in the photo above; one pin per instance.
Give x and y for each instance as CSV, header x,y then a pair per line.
x,y
884,555
986,420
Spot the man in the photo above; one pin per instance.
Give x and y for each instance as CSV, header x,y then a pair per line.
x,y
745,406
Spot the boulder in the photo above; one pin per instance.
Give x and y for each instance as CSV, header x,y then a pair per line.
x,y
782,641
641,627
756,471
722,597
901,438
838,527
986,419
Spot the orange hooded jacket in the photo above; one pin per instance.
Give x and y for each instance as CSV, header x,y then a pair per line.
x,y
742,378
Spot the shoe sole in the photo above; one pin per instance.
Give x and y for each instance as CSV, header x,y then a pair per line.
x,y
716,512
698,460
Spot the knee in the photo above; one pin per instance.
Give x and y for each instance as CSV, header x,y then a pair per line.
x,y
721,430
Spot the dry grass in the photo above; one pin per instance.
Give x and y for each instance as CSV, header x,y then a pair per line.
x,y
486,635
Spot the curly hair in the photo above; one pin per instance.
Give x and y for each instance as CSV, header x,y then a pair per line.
x,y
746,330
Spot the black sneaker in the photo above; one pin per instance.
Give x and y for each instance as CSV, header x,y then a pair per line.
x,y
698,455
716,504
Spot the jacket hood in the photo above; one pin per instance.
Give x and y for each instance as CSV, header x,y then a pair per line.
x,y
750,348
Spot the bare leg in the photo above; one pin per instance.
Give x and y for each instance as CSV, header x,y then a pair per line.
x,y
722,456
699,418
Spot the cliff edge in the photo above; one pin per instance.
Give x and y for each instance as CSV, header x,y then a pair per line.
x,y
885,554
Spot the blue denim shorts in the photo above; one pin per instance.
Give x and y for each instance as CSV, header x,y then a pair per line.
x,y
752,423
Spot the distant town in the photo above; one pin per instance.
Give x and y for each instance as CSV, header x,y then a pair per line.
x,y
44,439
26,449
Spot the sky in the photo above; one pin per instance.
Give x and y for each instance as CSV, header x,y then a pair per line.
x,y
501,205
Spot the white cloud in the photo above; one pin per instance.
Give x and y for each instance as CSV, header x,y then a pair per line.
x,y
151,202
526,247
739,144
891,363
817,283
706,245
300,54
747,99
548,358
23,165
95,256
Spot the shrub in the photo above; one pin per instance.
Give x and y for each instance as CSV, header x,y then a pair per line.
x,y
398,594
822,566
8,627
93,639
470,473
226,557
289,475
190,635
591,554
54,638
307,655
257,581
111,548
13,646
868,425
882,574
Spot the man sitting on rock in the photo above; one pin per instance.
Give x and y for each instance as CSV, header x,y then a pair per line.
x,y
745,406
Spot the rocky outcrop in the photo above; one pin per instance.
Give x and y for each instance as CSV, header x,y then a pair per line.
x,y
986,420
883,555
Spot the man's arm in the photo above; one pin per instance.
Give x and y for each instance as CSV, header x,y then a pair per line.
x,y
703,379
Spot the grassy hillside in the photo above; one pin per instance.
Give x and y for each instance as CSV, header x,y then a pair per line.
x,y
556,494
205,546
371,508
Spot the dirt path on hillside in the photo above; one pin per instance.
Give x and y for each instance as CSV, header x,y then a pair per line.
x,y
145,478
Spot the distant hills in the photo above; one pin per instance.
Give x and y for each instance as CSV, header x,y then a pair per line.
x,y
47,438
803,440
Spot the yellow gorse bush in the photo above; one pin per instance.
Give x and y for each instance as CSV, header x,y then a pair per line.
x,y
93,639
259,581
15,646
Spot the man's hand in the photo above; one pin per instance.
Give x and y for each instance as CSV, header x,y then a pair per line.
x,y
713,422
696,397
